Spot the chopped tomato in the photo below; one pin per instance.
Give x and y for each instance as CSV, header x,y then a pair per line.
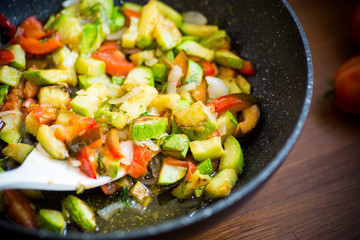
x,y
206,66
214,134
7,26
36,47
115,61
191,169
13,100
44,114
232,102
200,92
78,125
141,157
6,57
113,143
181,60
247,69
131,13
19,208
88,162
31,89
33,28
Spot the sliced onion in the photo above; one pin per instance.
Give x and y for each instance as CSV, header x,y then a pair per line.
x,y
195,17
151,62
5,113
174,77
216,87
109,211
222,129
70,60
186,88
151,145
127,96
116,35
127,150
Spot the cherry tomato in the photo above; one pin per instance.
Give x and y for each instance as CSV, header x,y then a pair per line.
x,y
347,86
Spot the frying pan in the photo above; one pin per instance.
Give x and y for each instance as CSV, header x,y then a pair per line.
x,y
269,34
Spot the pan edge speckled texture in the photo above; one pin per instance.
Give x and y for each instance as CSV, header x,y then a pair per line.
x,y
269,34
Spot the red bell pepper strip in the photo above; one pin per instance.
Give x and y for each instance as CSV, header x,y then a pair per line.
x,y
36,47
191,168
6,57
88,162
232,102
113,143
115,62
33,28
7,26
206,66
131,13
247,69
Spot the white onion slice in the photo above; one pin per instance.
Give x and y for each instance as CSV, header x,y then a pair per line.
x,y
195,17
5,113
186,88
216,87
222,129
126,149
175,75
70,60
127,96
116,35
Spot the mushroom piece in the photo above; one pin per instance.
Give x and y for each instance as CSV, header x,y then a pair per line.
x,y
247,121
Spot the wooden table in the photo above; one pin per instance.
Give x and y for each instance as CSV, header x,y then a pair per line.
x,y
315,194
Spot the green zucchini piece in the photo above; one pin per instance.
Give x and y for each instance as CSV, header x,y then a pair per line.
x,y
231,84
117,20
51,144
170,174
4,90
17,151
195,49
194,73
205,167
200,31
167,35
54,95
104,115
139,75
130,36
64,117
80,213
233,157
19,57
150,16
11,132
209,148
170,13
85,81
91,38
60,57
89,66
109,164
147,127
243,84
227,58
176,146
142,57
186,189
195,121
141,194
51,220
160,71
219,40
47,77
228,122
221,184
10,76
131,6
31,124
70,30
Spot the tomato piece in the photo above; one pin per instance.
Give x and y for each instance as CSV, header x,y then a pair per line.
x,y
88,162
206,66
113,143
33,28
141,157
115,62
37,47
7,26
136,170
175,162
347,86
131,13
78,125
247,68
191,169
6,57
181,60
13,99
87,138
214,134
19,208
232,102
31,89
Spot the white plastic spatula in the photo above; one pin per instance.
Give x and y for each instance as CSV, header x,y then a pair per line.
x,y
40,171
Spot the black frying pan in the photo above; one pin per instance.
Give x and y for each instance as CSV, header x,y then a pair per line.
x,y
269,34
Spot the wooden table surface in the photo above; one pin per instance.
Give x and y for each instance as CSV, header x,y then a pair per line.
x,y
315,194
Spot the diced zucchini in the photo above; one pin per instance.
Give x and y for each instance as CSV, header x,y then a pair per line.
x,y
170,13
170,174
142,57
233,157
19,57
51,144
194,73
209,148
219,40
167,34
147,127
139,75
243,84
72,10
17,151
4,89
87,104
31,124
231,84
220,186
130,36
51,220
226,121
64,117
160,71
200,31
11,132
196,121
195,49
69,29
54,95
141,194
186,189
227,58
89,66
176,146
150,16
117,20
91,38
205,167
131,6
116,119
80,213
10,76
111,165
61,58
86,81
47,77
